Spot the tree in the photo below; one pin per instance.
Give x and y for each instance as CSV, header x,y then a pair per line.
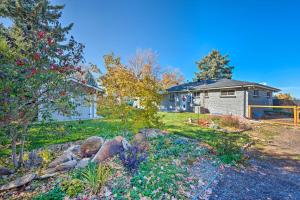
x,y
37,61
171,77
123,86
284,96
214,66
145,62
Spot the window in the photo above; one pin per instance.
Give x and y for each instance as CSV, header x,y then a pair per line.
x,y
206,94
255,93
172,97
196,94
225,93
269,94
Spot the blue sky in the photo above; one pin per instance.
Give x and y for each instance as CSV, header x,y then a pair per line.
x,y
262,37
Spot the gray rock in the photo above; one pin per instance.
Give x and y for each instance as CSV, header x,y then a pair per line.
x,y
34,160
109,149
48,175
66,166
67,156
151,132
18,182
75,149
91,146
126,145
82,163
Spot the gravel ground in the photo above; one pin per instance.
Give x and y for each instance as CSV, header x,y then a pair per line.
x,y
265,178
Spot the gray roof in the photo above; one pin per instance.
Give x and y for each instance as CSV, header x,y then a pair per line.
x,y
217,84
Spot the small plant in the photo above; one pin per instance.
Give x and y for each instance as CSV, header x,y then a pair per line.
x,y
72,187
132,158
55,194
228,151
46,155
94,176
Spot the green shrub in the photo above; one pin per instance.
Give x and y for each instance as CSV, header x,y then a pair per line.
x,y
72,187
227,150
55,194
94,176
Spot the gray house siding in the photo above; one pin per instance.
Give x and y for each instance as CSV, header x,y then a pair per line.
x,y
231,105
214,103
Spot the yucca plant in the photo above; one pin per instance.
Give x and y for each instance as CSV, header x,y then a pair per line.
x,y
95,176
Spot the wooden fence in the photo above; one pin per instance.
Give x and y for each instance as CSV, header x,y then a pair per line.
x,y
295,110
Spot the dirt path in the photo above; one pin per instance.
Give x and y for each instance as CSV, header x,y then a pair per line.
x,y
272,172
264,178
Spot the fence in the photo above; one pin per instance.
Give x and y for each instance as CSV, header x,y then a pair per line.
x,y
295,113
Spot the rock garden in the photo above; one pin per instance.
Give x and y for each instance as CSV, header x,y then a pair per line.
x,y
149,164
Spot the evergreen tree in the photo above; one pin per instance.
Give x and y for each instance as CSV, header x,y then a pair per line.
x,y
214,66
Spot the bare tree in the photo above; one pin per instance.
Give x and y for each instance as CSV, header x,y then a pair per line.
x,y
145,62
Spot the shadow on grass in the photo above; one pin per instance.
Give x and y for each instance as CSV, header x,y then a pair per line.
x,y
43,135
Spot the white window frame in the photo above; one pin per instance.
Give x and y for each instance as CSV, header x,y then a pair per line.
x,y
255,95
269,95
206,94
227,93
196,94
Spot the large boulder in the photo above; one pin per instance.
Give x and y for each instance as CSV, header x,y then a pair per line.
x,y
19,182
66,166
75,149
67,156
140,140
109,149
91,146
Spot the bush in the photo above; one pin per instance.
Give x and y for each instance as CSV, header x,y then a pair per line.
x,y
72,187
55,194
230,121
132,158
228,151
94,176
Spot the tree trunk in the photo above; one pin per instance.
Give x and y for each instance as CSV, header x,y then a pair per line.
x,y
14,151
22,151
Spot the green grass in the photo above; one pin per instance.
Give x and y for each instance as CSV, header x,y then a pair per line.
x,y
62,132
226,145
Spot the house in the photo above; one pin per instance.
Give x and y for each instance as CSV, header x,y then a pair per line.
x,y
223,96
86,103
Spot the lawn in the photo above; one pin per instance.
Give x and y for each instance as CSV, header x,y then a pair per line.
x,y
226,145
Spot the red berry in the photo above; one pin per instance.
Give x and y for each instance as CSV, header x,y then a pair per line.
x,y
50,41
19,62
37,56
41,34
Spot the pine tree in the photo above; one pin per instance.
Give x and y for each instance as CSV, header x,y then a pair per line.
x,y
214,66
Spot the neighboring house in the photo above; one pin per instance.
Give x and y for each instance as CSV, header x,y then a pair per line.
x,y
223,96
84,109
